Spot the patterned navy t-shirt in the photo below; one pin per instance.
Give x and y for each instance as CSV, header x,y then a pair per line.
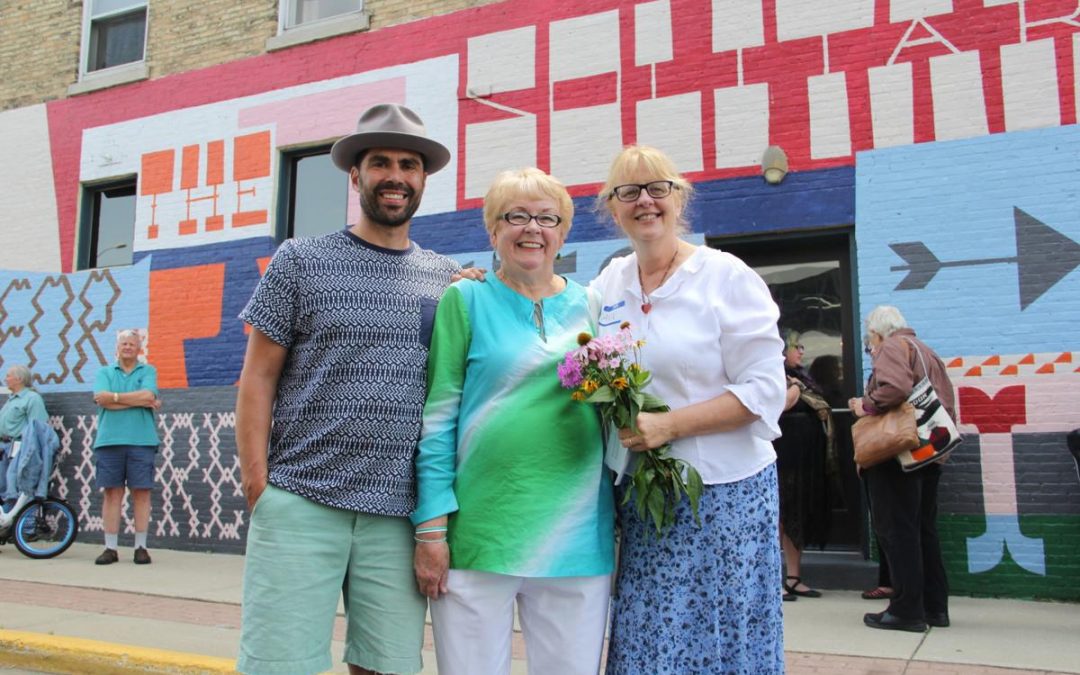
x,y
356,319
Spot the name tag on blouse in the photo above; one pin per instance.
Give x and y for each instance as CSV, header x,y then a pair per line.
x,y
15,447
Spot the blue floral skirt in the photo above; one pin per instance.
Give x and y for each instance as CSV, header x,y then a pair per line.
x,y
702,599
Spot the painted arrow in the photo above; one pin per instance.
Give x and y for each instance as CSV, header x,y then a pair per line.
x,y
1043,257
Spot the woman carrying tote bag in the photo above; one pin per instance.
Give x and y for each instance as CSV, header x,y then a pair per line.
x,y
904,504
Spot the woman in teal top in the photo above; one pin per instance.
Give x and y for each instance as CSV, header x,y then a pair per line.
x,y
513,500
127,397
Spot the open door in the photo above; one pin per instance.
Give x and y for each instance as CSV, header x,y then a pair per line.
x,y
810,276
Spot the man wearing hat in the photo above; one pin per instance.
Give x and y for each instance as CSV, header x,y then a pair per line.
x,y
328,418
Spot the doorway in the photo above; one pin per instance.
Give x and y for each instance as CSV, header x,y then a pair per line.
x,y
810,277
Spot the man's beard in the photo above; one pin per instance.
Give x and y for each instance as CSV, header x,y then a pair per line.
x,y
369,204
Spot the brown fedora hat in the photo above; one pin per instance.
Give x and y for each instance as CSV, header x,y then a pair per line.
x,y
389,125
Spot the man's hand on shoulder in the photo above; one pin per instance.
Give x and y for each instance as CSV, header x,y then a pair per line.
x,y
474,273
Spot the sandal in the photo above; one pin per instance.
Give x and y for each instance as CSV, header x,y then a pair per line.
x,y
879,593
793,588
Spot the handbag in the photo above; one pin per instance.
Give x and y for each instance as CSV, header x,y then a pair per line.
x,y
937,431
878,438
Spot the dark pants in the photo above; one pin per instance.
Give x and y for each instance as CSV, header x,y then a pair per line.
x,y
904,509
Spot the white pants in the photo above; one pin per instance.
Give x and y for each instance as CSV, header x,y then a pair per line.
x,y
562,619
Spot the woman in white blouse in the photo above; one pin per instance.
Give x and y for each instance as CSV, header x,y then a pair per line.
x,y
701,599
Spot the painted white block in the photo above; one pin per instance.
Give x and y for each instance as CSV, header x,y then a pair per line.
x,y
673,124
737,24
652,32
892,105
742,125
503,61
806,18
585,45
491,147
959,105
995,3
28,208
1029,83
830,125
583,143
1076,69
907,10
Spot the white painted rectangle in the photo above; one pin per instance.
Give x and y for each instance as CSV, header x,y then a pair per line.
x,y
583,143
737,24
652,32
491,147
807,18
830,124
742,125
584,46
673,124
959,105
892,105
907,10
1076,69
1029,84
503,61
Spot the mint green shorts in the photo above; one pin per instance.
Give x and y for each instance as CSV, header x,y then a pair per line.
x,y
301,558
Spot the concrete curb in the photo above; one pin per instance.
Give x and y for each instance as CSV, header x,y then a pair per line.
x,y
58,654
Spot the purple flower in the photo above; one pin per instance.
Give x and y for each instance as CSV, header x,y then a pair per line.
x,y
570,375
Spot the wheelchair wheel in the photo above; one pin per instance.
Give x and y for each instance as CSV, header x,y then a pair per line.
x,y
45,528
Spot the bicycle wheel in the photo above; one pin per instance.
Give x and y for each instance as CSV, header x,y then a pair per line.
x,y
45,528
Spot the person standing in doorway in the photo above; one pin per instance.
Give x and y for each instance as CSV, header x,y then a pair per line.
x,y
126,443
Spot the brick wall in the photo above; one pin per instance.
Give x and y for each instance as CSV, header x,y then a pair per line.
x,y
39,51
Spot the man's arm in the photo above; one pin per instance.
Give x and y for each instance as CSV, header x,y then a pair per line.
x,y
263,364
110,400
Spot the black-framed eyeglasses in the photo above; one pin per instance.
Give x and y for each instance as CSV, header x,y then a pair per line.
x,y
522,218
657,189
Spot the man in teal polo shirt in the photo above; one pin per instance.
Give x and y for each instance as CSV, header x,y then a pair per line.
x,y
127,397
23,405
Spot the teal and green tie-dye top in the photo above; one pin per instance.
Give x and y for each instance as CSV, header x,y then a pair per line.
x,y
505,451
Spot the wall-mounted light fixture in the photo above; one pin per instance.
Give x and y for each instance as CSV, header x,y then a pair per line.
x,y
774,164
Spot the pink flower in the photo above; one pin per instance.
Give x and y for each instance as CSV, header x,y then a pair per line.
x,y
570,375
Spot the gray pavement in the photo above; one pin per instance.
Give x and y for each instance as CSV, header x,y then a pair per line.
x,y
181,615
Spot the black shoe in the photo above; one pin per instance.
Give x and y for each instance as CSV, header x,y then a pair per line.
x,y
888,621
793,588
107,557
788,597
142,556
938,619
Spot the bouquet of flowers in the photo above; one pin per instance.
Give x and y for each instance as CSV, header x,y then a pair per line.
x,y
605,371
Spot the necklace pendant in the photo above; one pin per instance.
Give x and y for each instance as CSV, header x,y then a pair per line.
x,y
646,307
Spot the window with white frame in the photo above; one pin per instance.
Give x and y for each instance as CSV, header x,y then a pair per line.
x,y
300,12
114,33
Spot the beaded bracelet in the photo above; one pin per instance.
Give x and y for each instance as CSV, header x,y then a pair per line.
x,y
418,540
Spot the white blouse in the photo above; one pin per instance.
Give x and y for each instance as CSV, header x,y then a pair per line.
x,y
712,329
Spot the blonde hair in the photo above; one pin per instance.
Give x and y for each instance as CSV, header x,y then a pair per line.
x,y
526,183
653,162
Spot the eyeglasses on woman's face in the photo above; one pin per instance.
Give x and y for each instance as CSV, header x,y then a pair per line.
x,y
657,189
522,218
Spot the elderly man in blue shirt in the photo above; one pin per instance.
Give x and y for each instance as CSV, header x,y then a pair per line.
x,y
127,397
24,404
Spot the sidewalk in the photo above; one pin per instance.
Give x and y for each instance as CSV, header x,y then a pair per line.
x,y
182,615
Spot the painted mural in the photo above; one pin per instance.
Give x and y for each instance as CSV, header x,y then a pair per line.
x,y
944,130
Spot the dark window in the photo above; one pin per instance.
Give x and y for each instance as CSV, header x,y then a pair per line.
x,y
317,196
109,225
117,34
